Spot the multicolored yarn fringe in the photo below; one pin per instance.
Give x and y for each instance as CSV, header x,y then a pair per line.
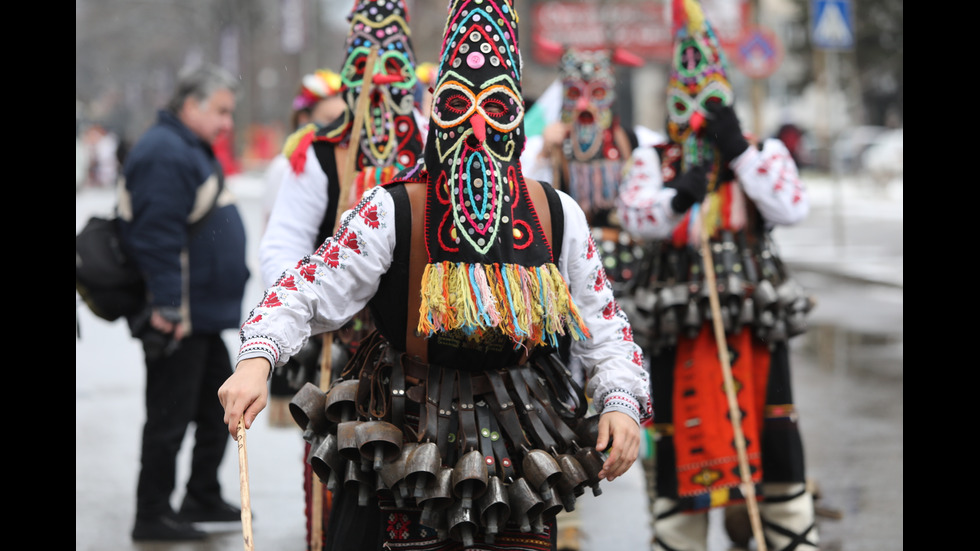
x,y
531,306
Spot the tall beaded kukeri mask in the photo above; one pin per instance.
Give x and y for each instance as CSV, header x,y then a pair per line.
x,y
389,139
490,267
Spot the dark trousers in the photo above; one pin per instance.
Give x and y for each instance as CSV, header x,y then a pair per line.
x,y
182,389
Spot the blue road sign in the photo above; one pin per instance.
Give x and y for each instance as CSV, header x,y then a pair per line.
x,y
833,25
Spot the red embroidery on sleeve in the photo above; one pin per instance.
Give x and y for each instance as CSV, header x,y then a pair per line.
x,y
271,301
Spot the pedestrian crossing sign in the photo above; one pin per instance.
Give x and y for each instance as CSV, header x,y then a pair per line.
x,y
833,25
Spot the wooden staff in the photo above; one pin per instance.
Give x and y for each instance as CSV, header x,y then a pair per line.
x,y
346,181
748,488
243,477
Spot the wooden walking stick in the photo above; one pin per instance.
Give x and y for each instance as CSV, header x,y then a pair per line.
x,y
748,488
243,477
346,180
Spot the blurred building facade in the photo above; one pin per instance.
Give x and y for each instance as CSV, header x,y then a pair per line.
x,y
128,53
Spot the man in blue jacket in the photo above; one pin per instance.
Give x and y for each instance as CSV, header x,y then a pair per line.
x,y
195,277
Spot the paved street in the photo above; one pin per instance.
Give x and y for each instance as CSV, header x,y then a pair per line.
x,y
848,378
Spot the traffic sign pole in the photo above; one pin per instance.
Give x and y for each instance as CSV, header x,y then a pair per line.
x,y
832,31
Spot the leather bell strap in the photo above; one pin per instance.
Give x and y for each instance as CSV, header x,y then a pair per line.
x,y
551,418
469,436
398,387
372,396
529,410
502,406
446,389
418,370
431,422
570,397
492,444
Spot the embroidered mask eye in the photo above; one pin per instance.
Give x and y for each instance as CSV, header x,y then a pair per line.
x,y
353,70
397,64
681,105
453,104
501,107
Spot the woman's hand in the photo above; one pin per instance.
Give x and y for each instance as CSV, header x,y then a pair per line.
x,y
623,433
246,393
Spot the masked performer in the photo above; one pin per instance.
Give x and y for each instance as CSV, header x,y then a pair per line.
x,y
329,172
585,152
455,424
708,178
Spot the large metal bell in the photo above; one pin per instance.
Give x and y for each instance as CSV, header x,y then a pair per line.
x,y
778,332
587,429
379,442
672,295
572,482
591,460
423,465
314,440
541,471
551,508
746,314
306,408
470,477
765,295
669,325
341,402
327,462
393,474
692,318
525,504
347,441
356,480
494,507
437,496
734,286
462,524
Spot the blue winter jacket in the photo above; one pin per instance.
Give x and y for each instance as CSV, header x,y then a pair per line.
x,y
165,171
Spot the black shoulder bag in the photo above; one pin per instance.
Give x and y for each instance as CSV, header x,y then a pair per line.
x,y
109,282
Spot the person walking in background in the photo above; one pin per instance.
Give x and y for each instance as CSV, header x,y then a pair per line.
x,y
473,274
322,160
195,285
709,180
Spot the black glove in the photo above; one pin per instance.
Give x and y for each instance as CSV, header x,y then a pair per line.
x,y
691,188
724,130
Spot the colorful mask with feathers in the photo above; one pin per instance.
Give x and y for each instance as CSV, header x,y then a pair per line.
x,y
490,266
698,76
389,137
